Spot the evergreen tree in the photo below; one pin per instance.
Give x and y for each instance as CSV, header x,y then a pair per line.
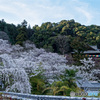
x,y
29,32
22,36
98,44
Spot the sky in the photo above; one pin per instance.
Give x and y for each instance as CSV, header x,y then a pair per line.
x,y
36,12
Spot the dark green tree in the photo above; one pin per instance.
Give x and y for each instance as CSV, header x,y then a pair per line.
x,y
22,36
98,44
78,45
63,44
30,32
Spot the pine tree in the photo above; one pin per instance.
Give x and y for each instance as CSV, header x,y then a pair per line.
x,y
22,36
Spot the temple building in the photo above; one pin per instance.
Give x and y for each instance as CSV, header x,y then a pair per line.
x,y
90,87
92,51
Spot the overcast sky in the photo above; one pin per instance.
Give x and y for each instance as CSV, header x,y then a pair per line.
x,y
86,12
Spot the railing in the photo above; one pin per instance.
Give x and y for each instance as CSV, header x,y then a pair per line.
x,y
21,96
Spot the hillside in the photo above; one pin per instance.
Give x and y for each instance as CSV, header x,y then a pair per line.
x,y
49,35
33,60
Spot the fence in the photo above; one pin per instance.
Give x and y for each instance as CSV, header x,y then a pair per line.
x,y
21,96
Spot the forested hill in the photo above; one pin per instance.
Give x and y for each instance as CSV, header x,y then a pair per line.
x,y
56,37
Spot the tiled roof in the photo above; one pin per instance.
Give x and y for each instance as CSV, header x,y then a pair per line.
x,y
91,51
94,47
96,84
79,85
86,83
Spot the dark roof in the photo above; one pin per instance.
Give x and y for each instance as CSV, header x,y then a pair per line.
x,y
96,84
90,52
83,83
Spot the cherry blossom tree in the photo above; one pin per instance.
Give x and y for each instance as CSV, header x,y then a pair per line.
x,y
18,64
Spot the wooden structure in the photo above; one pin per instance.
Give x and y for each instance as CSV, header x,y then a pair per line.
x,y
89,86
92,51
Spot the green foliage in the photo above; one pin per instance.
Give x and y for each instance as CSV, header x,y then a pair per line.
x,y
62,43
57,88
48,48
98,44
1,64
78,45
59,37
22,36
37,83
77,57
99,94
64,86
12,30
69,77
45,36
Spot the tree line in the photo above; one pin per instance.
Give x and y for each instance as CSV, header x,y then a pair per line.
x,y
61,37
